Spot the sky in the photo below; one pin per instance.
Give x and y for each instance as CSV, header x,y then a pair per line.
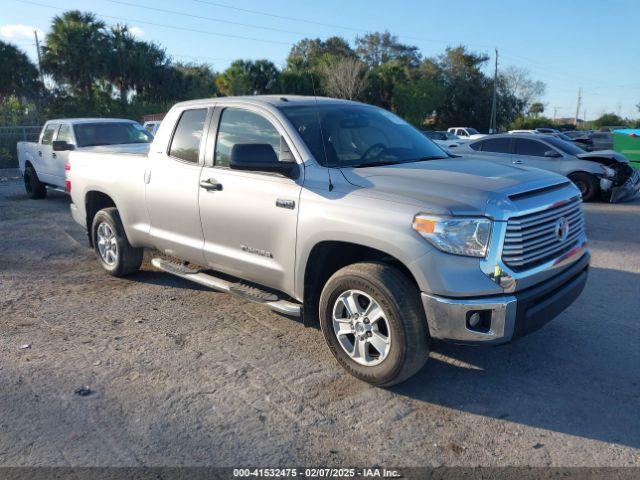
x,y
587,44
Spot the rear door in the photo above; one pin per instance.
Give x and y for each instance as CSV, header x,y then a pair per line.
x,y
531,153
250,221
495,149
172,187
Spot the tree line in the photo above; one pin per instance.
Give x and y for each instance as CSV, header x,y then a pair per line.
x,y
100,70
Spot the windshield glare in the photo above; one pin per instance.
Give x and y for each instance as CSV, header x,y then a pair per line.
x,y
359,135
110,133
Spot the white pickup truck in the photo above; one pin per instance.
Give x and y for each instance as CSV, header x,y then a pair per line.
x,y
42,163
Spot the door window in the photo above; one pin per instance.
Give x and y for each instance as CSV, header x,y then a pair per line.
x,y
242,126
185,144
64,134
531,147
47,136
496,145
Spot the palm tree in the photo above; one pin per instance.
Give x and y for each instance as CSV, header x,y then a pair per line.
x,y
75,51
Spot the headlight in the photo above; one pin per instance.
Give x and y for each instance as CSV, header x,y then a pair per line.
x,y
608,172
460,236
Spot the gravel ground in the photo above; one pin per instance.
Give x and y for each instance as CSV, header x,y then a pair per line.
x,y
180,375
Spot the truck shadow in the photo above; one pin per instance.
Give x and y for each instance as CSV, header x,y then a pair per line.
x,y
578,375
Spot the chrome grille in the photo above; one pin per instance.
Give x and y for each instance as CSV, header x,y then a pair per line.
x,y
531,239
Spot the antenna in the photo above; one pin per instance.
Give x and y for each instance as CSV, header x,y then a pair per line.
x,y
324,149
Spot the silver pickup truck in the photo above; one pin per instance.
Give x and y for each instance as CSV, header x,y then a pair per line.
x,y
346,215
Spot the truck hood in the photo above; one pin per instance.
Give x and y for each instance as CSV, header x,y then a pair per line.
x,y
453,186
606,157
124,148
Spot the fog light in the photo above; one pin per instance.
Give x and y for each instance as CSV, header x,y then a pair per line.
x,y
479,320
474,320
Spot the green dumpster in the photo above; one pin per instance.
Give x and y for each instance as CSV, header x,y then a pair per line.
x,y
627,142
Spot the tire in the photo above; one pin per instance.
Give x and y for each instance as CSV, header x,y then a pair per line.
x,y
402,320
32,184
108,235
588,185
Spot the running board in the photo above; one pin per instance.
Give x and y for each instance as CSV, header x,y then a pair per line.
x,y
56,189
240,289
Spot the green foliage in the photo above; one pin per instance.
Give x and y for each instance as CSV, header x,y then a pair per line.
x,y
608,120
530,123
18,76
14,111
417,98
247,77
377,48
536,109
308,53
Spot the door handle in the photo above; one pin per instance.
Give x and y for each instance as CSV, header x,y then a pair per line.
x,y
53,155
39,153
210,184
517,162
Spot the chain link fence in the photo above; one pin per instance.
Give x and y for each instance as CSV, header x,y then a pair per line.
x,y
9,137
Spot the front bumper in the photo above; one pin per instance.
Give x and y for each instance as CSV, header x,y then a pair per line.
x,y
624,193
505,317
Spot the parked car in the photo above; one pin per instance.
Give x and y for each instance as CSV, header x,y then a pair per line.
x,y
574,134
346,215
612,129
442,138
604,173
152,126
42,163
466,133
547,130
530,132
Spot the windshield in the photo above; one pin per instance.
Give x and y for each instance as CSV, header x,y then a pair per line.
x,y
566,147
359,135
472,131
451,136
110,133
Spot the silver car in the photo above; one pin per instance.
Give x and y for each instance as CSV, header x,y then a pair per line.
x,y
604,173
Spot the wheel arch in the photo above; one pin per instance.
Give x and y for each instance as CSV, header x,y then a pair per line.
x,y
327,257
94,201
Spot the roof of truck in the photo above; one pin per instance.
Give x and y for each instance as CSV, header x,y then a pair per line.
x,y
273,100
89,120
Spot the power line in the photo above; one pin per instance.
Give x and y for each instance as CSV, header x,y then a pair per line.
x,y
201,17
174,27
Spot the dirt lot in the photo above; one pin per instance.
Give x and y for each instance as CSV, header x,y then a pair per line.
x,y
185,376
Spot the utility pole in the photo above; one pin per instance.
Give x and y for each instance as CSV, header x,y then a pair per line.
x,y
578,105
493,127
35,32
555,114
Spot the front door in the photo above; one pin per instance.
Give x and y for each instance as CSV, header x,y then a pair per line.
x,y
250,219
172,189
59,159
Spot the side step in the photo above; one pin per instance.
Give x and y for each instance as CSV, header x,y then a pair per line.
x,y
240,289
56,189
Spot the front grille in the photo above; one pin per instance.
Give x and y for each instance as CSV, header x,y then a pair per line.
x,y
532,239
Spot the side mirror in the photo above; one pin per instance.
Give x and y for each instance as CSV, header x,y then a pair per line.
x,y
551,154
258,157
61,146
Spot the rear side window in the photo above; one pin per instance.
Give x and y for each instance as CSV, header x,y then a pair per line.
x,y
496,145
242,126
64,134
47,136
185,144
531,147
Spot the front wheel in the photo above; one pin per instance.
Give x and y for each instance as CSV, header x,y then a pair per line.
x,y
587,184
374,324
115,253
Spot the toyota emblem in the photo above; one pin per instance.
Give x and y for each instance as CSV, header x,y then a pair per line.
x,y
562,229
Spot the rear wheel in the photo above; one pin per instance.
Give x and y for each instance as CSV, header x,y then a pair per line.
x,y
374,324
587,184
32,184
115,253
